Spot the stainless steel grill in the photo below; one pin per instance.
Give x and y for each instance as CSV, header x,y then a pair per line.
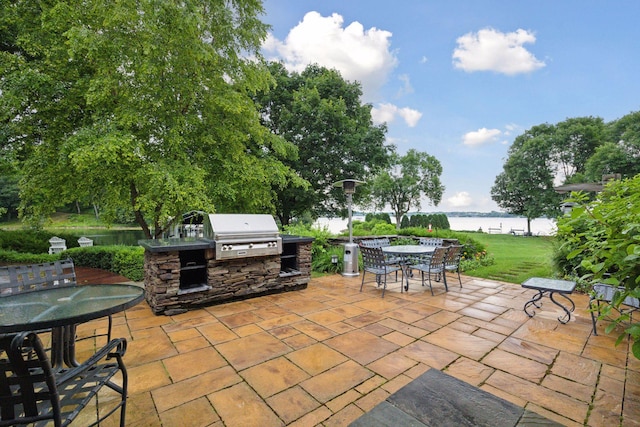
x,y
243,235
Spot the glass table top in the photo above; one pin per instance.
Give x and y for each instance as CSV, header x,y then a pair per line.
x,y
59,306
408,249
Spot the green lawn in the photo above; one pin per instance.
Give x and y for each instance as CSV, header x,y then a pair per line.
x,y
516,258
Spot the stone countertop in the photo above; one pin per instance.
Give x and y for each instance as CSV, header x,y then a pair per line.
x,y
176,244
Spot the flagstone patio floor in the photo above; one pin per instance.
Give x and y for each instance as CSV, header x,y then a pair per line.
x,y
325,355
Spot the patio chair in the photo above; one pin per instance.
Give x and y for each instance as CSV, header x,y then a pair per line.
x,y
605,293
380,243
376,263
434,265
452,260
30,392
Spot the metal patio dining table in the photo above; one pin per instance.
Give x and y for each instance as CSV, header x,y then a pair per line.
x,y
406,254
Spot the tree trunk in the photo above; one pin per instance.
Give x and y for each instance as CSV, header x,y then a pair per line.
x,y
398,219
138,215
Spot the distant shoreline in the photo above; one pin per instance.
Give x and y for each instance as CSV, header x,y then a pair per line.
x,y
457,214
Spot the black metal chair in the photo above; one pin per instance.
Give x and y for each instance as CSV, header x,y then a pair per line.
x,y
434,265
452,260
380,243
30,392
606,293
376,263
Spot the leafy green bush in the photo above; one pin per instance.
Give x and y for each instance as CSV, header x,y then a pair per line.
x,y
127,261
8,256
321,236
382,216
375,227
602,240
33,241
323,263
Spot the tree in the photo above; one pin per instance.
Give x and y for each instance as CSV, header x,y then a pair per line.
x,y
574,141
526,185
412,176
323,116
139,104
621,151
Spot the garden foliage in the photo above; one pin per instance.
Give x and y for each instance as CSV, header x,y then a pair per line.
x,y
601,243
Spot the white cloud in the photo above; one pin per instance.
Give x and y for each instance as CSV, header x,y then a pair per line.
x,y
360,55
424,60
491,50
461,199
406,85
481,136
387,113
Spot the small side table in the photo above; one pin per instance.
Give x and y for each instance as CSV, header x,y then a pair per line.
x,y
551,287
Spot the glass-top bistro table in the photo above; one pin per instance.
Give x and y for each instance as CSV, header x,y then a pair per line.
x,y
61,309
406,253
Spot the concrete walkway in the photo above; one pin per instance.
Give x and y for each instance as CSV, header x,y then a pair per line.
x,y
328,354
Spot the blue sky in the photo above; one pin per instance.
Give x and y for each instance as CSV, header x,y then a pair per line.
x,y
461,79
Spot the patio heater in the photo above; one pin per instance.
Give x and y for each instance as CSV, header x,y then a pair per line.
x,y
350,267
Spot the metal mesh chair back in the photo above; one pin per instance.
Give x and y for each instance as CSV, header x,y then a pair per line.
x,y
28,392
436,261
452,259
376,243
33,277
430,241
373,259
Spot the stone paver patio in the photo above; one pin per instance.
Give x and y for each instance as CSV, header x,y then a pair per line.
x,y
328,354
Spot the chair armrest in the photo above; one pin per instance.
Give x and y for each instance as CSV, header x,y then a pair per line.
x,y
114,348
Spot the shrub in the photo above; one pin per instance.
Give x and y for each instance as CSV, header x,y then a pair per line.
x,y
127,261
601,239
33,241
322,263
382,216
321,236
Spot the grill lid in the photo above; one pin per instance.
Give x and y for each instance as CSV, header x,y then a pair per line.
x,y
226,227
243,235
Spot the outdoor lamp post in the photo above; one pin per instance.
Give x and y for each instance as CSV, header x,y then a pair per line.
x,y
350,249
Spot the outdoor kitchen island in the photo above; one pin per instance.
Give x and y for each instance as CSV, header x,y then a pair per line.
x,y
237,257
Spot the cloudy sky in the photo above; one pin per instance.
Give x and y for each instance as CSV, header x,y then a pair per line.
x,y
460,79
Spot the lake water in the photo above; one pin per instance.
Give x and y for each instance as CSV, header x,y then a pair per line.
x,y
539,226
104,237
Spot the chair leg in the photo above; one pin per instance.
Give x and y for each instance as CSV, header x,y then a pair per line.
x,y
593,317
444,279
362,284
384,287
430,287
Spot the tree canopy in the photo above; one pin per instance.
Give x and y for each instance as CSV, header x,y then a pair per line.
x,y
142,105
323,116
410,178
